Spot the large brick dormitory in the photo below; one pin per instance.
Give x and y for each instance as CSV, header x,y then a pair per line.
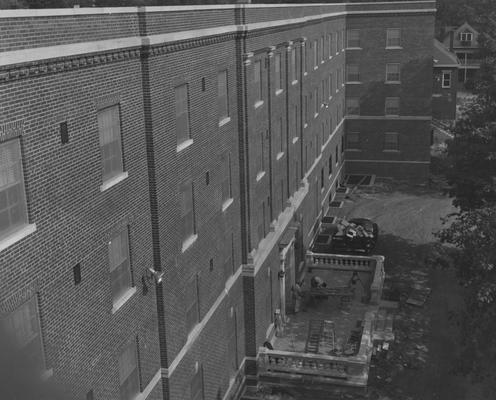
x,y
161,166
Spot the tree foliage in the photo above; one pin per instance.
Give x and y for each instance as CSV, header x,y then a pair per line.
x,y
473,233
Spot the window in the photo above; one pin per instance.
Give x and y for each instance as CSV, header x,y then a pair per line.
x,y
336,155
392,106
446,81
120,266
182,114
353,73
304,56
316,102
23,326
322,178
338,74
261,153
393,37
353,38
281,136
330,165
353,141
294,75
261,221
128,372
109,129
330,85
187,210
305,111
322,49
466,37
343,39
13,212
196,386
277,73
226,186
223,97
296,127
257,79
338,41
322,92
391,142
315,54
232,344
352,106
329,45
392,72
191,301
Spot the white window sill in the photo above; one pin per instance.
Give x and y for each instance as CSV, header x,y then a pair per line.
x,y
392,82
295,139
305,125
113,181
189,242
183,145
353,83
337,53
390,151
445,87
260,175
342,85
394,48
322,61
330,57
123,299
322,189
280,155
337,90
305,73
353,48
315,67
392,116
258,103
354,150
294,82
224,121
330,176
315,115
226,204
279,91
14,237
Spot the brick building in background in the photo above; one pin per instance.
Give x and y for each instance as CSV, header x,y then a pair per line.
x,y
162,171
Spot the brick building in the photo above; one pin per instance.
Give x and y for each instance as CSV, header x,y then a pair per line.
x,y
162,170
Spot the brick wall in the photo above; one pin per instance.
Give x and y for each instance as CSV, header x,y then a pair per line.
x,y
74,219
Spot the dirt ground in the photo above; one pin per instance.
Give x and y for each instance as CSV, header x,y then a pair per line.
x,y
418,365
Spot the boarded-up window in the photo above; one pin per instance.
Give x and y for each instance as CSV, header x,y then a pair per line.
x,y
13,213
109,129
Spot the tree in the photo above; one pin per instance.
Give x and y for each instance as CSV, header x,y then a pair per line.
x,y
472,153
473,233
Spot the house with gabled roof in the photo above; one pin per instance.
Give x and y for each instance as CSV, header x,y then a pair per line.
x,y
463,41
445,82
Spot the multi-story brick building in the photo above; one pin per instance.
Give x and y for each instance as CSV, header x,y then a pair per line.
x,y
162,170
